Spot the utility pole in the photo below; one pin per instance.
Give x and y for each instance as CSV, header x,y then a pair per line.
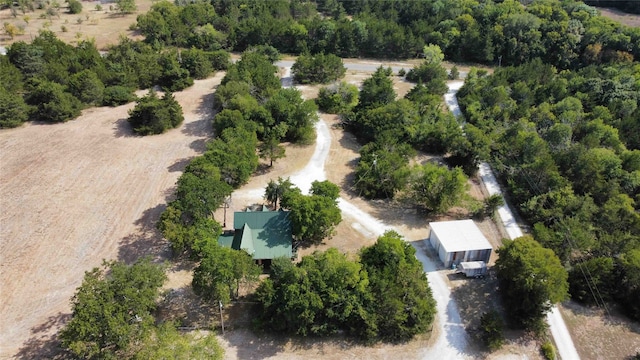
x,y
221,317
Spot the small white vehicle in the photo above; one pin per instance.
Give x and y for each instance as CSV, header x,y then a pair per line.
x,y
475,269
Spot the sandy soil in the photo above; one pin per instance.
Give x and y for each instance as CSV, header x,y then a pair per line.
x,y
622,17
75,193
601,335
104,26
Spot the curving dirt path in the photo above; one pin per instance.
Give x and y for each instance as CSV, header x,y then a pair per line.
x,y
73,194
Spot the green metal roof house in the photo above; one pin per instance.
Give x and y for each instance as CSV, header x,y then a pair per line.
x,y
265,234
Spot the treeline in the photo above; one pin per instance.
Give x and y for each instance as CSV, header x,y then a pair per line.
x,y
564,34
254,112
567,146
49,80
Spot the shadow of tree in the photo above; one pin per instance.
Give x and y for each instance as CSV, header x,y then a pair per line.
x,y
146,240
188,310
250,346
44,342
474,297
263,168
122,128
198,128
180,165
202,127
205,108
349,141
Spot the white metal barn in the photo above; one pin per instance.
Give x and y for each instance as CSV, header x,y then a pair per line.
x,y
459,241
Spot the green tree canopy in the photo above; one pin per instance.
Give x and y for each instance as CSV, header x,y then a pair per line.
x,y
432,75
323,294
13,110
256,70
377,90
317,69
289,108
52,104
313,217
435,188
402,305
87,87
275,190
126,6
222,271
532,279
383,169
383,296
270,148
75,6
197,62
337,98
112,309
155,116
234,153
166,342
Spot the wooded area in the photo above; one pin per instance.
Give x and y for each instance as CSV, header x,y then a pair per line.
x,y
566,145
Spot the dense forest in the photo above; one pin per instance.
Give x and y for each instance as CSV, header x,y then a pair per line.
x,y
503,33
567,35
566,146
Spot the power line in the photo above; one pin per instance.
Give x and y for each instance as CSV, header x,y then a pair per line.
x,y
591,283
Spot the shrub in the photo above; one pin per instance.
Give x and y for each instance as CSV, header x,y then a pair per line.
x,y
491,330
454,74
52,103
548,350
402,72
87,87
432,76
317,69
75,7
117,95
155,116
52,11
13,110
197,63
337,98
220,59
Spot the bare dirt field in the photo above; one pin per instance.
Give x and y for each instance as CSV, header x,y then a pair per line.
x,y
622,17
104,26
601,335
76,193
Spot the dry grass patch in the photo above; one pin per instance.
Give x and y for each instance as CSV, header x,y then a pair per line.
x,y
598,335
622,17
104,26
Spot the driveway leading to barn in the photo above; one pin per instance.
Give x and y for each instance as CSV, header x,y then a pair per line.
x,y
559,331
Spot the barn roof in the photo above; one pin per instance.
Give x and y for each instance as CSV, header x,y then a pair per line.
x,y
460,235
